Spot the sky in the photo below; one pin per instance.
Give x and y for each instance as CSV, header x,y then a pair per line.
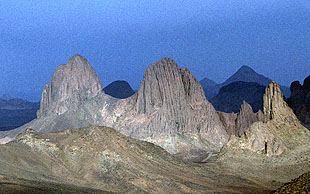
x,y
212,38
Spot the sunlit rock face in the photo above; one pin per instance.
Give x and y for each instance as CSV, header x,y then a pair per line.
x,y
72,83
170,109
276,133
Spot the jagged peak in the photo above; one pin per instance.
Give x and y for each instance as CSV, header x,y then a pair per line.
x,y
78,59
245,68
275,108
71,84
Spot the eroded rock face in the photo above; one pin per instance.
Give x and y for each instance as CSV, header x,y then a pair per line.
x,y
245,118
273,102
170,108
229,122
72,83
171,102
271,136
259,139
238,123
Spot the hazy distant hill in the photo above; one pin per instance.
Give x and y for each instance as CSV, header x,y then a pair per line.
x,y
119,89
245,74
15,112
231,96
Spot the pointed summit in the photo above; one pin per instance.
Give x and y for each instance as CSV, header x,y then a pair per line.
x,y
275,108
247,74
172,102
71,84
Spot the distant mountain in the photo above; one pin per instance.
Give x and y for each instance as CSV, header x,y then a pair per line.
x,y
209,87
208,82
245,74
6,97
119,89
15,112
231,96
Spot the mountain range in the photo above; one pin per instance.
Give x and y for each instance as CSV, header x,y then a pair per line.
x,y
15,112
245,74
166,138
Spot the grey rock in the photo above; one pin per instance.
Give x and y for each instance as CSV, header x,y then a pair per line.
x,y
274,105
169,109
172,103
229,122
245,118
279,131
72,83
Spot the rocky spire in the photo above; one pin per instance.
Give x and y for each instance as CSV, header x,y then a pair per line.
x,y
274,105
71,84
174,102
245,118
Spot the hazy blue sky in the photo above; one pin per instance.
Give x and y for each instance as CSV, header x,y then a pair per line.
x,y
213,38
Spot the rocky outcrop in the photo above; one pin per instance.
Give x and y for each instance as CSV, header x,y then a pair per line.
x,y
172,103
238,123
259,139
271,136
244,74
169,109
229,122
72,83
119,89
245,118
300,101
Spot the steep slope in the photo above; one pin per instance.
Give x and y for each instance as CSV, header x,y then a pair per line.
x,y
175,111
231,96
244,74
207,82
271,152
119,89
72,83
247,74
102,159
237,124
300,101
169,109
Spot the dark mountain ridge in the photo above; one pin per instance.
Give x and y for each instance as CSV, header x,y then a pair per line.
x,y
245,74
231,96
119,89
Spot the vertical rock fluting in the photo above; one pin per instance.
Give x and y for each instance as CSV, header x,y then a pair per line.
x,y
245,118
174,103
72,83
275,108
279,129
